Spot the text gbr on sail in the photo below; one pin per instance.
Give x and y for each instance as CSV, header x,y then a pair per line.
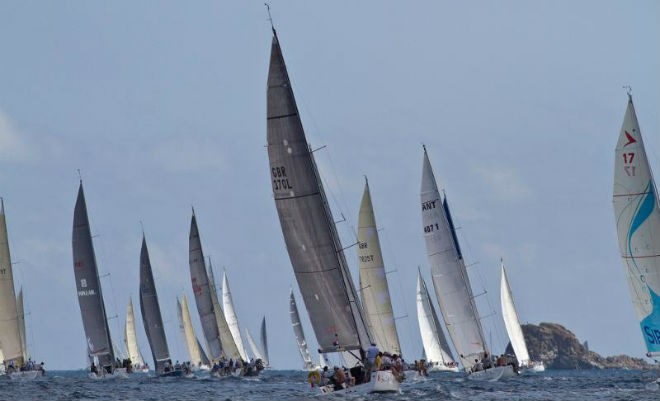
x,y
280,180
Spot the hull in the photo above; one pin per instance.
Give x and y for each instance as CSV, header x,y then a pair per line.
x,y
119,373
534,367
443,368
27,375
174,373
493,374
382,381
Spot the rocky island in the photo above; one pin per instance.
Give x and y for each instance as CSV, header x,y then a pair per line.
x,y
558,348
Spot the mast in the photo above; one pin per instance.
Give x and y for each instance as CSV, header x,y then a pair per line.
x,y
90,296
309,231
638,227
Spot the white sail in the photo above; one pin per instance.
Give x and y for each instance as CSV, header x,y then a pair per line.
x,y
189,332
131,337
299,333
228,344
435,344
638,227
230,315
10,339
450,278
373,280
253,346
512,322
21,324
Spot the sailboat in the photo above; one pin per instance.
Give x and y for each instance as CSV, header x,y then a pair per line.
x,y
131,340
260,352
232,319
12,319
300,335
153,320
436,349
309,231
188,333
638,227
513,329
90,298
230,348
264,343
373,279
452,284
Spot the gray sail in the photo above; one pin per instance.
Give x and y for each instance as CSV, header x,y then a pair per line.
x,y
202,354
307,224
449,274
21,324
151,317
90,297
264,342
299,333
202,291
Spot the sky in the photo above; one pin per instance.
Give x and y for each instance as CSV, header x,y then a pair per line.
x,y
162,107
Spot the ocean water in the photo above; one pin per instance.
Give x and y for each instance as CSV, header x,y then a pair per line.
x,y
557,385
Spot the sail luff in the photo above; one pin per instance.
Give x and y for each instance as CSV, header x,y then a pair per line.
x,y
10,339
373,279
131,336
435,344
511,321
151,316
638,226
230,315
21,324
203,292
299,333
264,342
90,296
314,247
449,274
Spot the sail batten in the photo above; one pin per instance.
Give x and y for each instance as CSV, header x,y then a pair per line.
x,y
90,297
449,274
311,239
637,217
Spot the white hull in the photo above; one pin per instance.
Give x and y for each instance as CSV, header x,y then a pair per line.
x,y
119,373
493,374
534,367
26,375
382,381
442,368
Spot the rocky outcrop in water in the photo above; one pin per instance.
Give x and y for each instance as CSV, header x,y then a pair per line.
x,y
558,348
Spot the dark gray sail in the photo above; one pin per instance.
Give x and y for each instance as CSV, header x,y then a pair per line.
x,y
151,317
264,341
202,291
307,224
90,297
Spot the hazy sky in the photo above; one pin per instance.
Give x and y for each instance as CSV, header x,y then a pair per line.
x,y
162,106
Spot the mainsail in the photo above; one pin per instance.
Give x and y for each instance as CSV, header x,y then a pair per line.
x,y
299,333
131,337
450,278
203,292
512,322
10,339
21,324
308,227
229,345
188,333
436,348
638,227
230,315
373,279
90,297
151,316
264,342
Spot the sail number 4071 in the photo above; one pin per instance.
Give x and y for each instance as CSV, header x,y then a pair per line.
x,y
628,159
430,228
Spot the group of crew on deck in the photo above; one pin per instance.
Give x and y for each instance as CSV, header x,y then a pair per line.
x,y
26,366
488,362
373,360
225,367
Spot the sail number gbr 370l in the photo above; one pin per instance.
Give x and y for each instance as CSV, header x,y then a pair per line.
x,y
280,180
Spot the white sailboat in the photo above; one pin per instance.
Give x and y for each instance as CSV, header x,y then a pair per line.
x,y
513,329
230,349
436,348
638,227
130,337
309,231
373,280
232,319
452,284
300,335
